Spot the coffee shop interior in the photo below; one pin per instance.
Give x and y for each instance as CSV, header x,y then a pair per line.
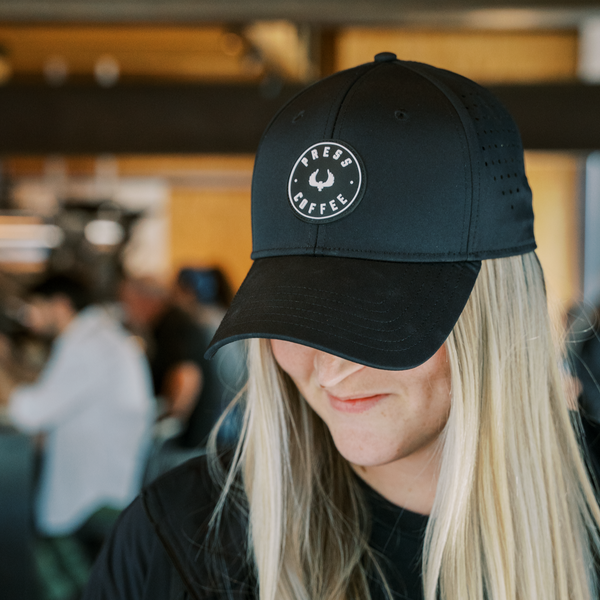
x,y
127,139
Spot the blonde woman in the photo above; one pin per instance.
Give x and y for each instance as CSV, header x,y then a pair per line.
x,y
406,433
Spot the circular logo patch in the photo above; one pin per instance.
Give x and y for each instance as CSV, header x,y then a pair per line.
x,y
326,183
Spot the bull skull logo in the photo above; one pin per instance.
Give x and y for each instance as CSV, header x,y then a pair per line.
x,y
312,181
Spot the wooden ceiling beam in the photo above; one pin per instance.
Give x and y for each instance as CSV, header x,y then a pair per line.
x,y
153,119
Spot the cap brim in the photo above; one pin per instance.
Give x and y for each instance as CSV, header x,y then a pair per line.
x,y
386,315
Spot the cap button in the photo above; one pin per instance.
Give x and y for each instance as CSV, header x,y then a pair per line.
x,y
385,57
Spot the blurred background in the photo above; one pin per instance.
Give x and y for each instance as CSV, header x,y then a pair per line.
x,y
128,128
128,131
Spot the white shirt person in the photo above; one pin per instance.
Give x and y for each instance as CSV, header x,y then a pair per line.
x,y
93,400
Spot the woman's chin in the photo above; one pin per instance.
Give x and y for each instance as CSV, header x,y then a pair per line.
x,y
366,452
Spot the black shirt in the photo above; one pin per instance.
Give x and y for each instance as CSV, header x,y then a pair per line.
x,y
165,527
135,564
397,537
177,338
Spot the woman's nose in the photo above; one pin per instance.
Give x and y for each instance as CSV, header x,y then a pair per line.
x,y
331,370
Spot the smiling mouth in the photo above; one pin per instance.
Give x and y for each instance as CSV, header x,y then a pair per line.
x,y
356,404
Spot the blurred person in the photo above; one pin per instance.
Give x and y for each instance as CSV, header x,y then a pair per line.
x,y
206,294
93,402
175,345
584,355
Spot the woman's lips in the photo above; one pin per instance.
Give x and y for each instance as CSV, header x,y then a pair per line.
x,y
356,404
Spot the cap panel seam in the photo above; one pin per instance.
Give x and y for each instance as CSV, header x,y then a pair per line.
x,y
266,132
470,217
339,122
334,109
316,244
339,102
464,257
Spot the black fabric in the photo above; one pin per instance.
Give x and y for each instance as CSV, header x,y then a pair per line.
x,y
180,506
586,362
133,564
179,338
443,162
381,314
433,173
158,551
397,537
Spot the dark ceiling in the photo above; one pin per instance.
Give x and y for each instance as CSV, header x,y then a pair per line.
x,y
180,118
553,13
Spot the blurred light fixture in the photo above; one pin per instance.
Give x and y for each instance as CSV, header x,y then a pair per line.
x,y
22,235
24,241
104,232
589,50
232,43
504,18
54,236
5,66
107,70
56,70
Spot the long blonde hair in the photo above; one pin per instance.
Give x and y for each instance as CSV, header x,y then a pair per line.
x,y
514,517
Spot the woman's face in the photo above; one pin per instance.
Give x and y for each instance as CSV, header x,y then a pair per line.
x,y
375,417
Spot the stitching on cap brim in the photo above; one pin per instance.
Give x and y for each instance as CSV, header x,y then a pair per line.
x,y
351,307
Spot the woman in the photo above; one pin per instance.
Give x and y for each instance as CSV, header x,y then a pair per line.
x,y
406,432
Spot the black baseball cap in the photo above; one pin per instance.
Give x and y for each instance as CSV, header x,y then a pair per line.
x,y
376,194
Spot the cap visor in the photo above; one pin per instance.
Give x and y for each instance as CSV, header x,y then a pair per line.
x,y
386,315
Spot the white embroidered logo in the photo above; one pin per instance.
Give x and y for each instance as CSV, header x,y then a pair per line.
x,y
319,199
321,184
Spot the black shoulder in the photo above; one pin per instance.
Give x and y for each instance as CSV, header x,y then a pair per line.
x,y
591,443
180,505
133,564
188,487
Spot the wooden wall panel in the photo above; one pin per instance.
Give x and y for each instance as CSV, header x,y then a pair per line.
x,y
175,166
181,53
555,181
211,228
485,56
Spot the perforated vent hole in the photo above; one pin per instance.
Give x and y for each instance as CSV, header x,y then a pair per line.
x,y
401,115
500,146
